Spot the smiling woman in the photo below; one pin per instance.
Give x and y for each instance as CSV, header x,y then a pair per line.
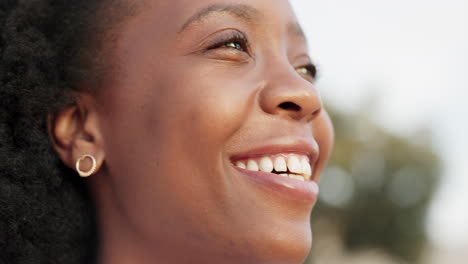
x,y
196,123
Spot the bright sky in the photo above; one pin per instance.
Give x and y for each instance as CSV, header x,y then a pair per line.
x,y
413,56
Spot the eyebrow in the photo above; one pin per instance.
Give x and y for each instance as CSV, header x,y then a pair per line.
x,y
244,12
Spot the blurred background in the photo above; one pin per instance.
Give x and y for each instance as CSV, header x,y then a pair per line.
x,y
393,74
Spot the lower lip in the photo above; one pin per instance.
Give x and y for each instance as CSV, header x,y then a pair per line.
x,y
292,189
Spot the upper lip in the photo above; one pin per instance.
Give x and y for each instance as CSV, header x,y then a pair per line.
x,y
305,146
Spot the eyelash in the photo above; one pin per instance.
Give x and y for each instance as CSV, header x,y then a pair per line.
x,y
241,44
310,69
239,40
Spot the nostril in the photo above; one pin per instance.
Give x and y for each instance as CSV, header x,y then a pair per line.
x,y
290,106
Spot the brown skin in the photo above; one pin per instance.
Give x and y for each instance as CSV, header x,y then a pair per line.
x,y
165,123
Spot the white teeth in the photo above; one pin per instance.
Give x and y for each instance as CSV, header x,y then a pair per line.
x,y
297,177
293,176
241,165
266,164
252,165
294,165
280,164
306,169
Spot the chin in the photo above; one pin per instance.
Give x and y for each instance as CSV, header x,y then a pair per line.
x,y
285,247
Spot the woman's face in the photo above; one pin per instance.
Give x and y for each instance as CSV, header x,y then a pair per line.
x,y
198,87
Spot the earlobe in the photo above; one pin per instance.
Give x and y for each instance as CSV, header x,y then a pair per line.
x,y
74,133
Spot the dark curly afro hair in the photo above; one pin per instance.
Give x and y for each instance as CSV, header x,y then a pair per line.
x,y
47,47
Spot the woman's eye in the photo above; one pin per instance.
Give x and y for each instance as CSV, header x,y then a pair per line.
x,y
234,45
308,71
232,41
237,44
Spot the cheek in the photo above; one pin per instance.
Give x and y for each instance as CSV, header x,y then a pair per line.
x,y
196,105
200,107
165,135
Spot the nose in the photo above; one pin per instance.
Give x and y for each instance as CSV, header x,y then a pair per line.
x,y
287,94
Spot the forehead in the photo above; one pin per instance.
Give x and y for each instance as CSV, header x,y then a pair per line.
x,y
272,12
158,23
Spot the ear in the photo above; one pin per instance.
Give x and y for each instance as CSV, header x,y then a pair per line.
x,y
74,131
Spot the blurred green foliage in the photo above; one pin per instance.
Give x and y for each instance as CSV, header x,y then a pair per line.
x,y
377,188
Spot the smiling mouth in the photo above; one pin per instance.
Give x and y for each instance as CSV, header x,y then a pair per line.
x,y
292,165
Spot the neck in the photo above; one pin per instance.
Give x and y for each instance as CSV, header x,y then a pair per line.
x,y
121,242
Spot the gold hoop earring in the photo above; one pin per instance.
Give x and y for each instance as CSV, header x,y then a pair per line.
x,y
89,172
